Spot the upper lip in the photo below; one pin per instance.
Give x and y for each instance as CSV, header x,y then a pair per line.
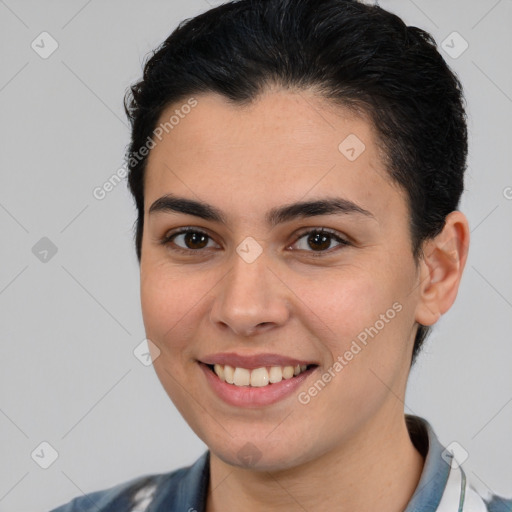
x,y
252,361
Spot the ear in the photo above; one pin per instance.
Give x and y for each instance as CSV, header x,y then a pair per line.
x,y
441,267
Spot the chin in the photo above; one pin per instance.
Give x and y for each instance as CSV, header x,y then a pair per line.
x,y
259,453
249,456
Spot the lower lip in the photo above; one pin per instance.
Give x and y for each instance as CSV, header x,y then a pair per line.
x,y
247,396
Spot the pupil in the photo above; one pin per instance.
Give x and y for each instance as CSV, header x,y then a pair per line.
x,y
192,239
324,240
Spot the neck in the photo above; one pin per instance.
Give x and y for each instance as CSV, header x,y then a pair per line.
x,y
378,469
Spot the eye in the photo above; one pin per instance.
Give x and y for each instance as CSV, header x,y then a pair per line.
x,y
320,239
193,240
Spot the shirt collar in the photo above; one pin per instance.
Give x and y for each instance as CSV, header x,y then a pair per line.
x,y
436,470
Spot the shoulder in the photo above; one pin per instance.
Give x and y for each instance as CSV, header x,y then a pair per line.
x,y
134,495
498,504
104,499
484,500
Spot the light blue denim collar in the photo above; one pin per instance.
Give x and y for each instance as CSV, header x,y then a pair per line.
x,y
436,470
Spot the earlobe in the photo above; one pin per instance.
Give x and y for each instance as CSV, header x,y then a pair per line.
x,y
441,268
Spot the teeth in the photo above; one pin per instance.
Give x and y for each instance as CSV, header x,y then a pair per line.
x,y
219,370
259,377
229,374
241,377
276,374
287,372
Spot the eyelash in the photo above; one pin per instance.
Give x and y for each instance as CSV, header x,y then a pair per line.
x,y
167,240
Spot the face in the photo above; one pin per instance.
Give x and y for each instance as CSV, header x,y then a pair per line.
x,y
259,285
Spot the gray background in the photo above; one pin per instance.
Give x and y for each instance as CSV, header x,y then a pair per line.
x,y
69,325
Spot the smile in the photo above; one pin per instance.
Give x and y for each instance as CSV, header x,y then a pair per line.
x,y
256,380
257,377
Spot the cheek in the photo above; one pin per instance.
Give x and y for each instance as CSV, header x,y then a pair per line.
x,y
347,302
366,345
169,300
365,313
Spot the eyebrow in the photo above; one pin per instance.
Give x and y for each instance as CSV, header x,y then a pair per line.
x,y
325,206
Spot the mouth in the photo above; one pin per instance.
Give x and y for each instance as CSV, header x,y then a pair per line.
x,y
254,380
257,377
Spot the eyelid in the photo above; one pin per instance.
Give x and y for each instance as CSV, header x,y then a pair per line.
x,y
314,229
337,236
167,238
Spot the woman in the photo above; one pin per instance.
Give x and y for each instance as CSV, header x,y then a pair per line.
x,y
297,166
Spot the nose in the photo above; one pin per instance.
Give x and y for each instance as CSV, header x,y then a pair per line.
x,y
250,299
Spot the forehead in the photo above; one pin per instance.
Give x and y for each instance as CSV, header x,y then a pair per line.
x,y
280,148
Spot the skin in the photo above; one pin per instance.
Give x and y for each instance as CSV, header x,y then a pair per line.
x,y
349,445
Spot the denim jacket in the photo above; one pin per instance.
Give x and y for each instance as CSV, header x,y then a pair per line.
x,y
443,486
